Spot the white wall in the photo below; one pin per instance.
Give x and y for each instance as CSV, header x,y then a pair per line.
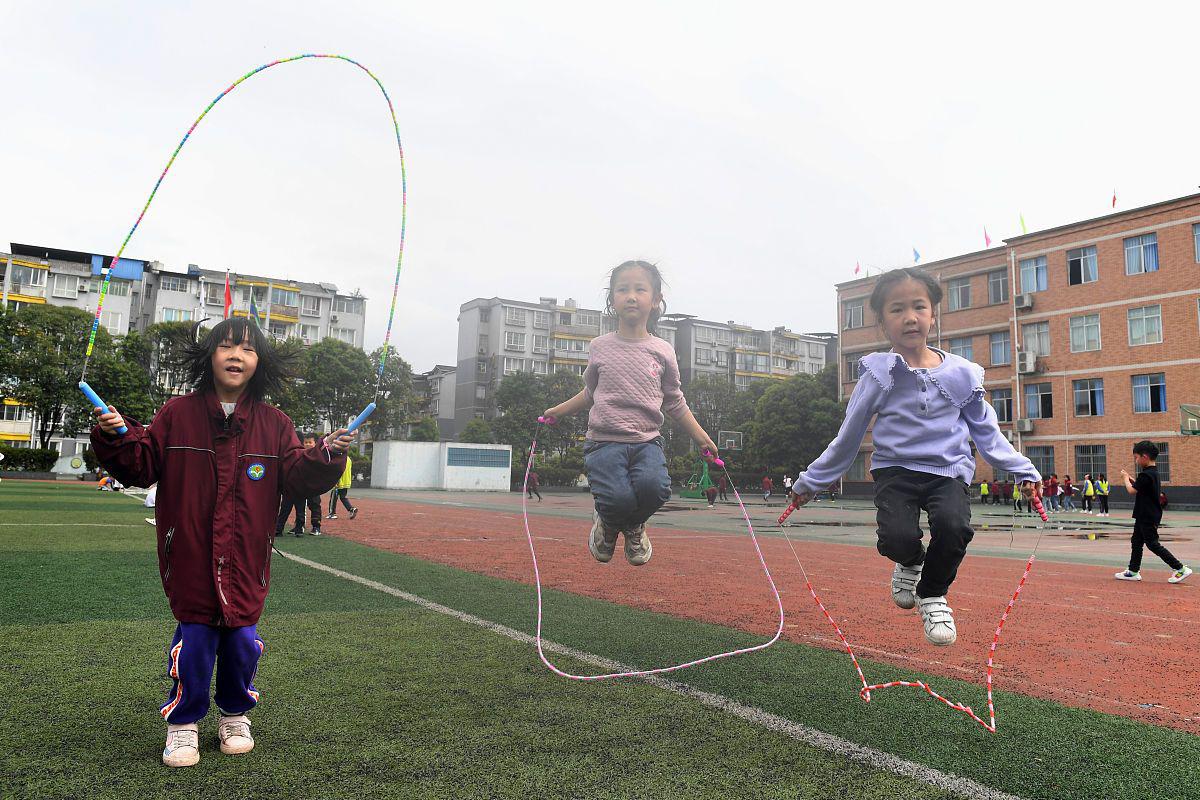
x,y
423,465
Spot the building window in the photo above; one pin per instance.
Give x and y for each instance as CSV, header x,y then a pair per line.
x,y
485,315
589,318
576,368
285,297
959,291
1000,343
1150,393
1036,338
345,334
66,286
433,407
1081,266
853,367
741,382
703,355
1039,402
513,365
1145,325
483,343
858,467
514,341
722,358
1090,459
345,305
514,316
310,306
853,314
9,413
214,294
309,333
541,319
564,318
705,334
1033,274
120,288
1163,462
1042,457
1089,397
541,344
1002,403
111,320
1196,240
176,315
723,336
749,341
28,276
1085,333
481,391
481,367
961,346
282,330
998,287
172,283
540,367
1141,254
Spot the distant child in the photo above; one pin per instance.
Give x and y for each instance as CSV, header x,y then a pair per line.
x,y
723,487
711,494
222,458
768,486
1050,491
983,493
1089,493
534,485
1102,493
631,380
308,441
1016,498
928,407
1147,515
340,492
1068,494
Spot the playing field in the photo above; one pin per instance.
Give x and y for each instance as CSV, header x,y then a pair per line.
x,y
371,687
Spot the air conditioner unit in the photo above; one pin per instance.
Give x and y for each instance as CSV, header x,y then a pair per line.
x,y
1024,426
1024,302
83,288
1026,363
333,318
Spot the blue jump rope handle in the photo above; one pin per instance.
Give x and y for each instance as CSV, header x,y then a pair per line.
x,y
90,394
361,418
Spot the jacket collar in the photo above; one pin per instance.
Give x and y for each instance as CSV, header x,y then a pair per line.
x,y
237,420
958,379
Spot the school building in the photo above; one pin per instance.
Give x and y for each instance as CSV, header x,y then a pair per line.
x,y
1089,335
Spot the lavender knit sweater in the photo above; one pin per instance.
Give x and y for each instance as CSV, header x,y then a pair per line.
x,y
925,420
630,383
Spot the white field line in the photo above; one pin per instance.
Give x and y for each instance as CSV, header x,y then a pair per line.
x,y
964,787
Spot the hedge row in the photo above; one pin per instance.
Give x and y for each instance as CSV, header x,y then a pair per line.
x,y
25,459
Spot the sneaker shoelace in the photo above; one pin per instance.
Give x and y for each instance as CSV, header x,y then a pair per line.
x,y
634,538
184,738
231,729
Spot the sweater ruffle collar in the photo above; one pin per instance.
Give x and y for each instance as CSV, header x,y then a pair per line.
x,y
960,381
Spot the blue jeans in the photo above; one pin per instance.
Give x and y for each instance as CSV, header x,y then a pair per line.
x,y
629,481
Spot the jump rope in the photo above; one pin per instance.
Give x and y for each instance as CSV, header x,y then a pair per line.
x,y
106,272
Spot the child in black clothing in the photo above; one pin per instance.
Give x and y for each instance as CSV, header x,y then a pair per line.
x,y
1147,514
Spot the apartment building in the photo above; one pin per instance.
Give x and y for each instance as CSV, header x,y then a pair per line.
x,y
1089,335
743,353
437,387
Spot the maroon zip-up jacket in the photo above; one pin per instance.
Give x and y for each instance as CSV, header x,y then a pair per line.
x,y
220,480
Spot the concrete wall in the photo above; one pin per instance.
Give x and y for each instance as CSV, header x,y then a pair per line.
x,y
427,465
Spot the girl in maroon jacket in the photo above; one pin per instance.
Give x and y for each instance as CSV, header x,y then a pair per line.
x,y
222,459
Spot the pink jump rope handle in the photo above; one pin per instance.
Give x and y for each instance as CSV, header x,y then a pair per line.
x,y
787,512
709,454
1038,507
547,420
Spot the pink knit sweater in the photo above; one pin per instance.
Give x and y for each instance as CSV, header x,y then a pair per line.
x,y
630,384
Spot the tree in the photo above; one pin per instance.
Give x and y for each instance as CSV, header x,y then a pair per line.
x,y
712,400
168,342
292,398
521,399
793,422
477,431
425,429
398,404
338,380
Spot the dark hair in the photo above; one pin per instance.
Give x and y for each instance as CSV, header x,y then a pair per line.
x,y
656,281
895,276
273,367
1147,449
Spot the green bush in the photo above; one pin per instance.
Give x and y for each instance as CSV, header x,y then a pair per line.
x,y
24,459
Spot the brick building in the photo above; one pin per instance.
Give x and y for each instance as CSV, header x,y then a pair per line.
x,y
1089,334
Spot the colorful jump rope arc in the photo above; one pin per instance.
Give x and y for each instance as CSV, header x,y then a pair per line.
x,y
659,670
867,688
106,273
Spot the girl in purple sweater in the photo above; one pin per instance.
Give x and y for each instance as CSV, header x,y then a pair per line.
x,y
928,407
631,379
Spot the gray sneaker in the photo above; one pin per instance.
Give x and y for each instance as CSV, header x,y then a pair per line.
x,y
904,585
602,543
637,546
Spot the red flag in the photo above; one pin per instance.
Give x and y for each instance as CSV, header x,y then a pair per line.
x,y
857,268
1114,198
228,296
987,240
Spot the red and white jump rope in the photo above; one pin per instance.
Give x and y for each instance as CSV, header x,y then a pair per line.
x,y
660,670
865,691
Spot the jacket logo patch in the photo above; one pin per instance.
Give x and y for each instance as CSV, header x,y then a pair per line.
x,y
256,471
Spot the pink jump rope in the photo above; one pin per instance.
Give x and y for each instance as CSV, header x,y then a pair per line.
x,y
865,691
660,670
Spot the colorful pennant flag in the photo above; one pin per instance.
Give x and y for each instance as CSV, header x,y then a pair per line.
x,y
1023,228
254,315
857,267
987,240
228,295
916,256
1114,198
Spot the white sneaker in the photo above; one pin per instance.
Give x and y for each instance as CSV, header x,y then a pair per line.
x,y
1128,576
183,746
234,733
637,545
938,619
1180,574
904,585
601,542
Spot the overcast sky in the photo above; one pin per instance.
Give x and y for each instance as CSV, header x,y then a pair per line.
x,y
755,151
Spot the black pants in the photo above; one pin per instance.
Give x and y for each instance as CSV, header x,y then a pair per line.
x,y
1146,534
900,496
337,494
289,503
1103,498
532,491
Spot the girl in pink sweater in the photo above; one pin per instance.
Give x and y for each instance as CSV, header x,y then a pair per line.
x,y
631,380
